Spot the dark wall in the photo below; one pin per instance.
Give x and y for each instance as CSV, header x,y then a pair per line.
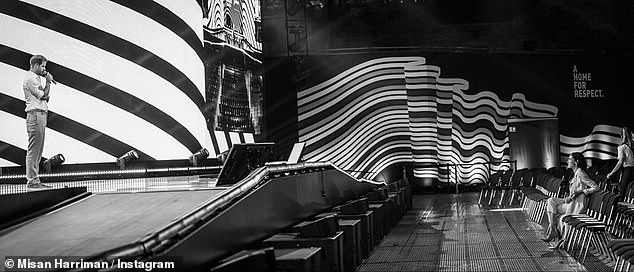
x,y
543,78
529,85
280,105
549,79
589,25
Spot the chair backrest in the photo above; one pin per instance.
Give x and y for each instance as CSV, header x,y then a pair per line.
x,y
567,174
600,180
505,178
628,195
554,186
606,167
516,179
494,179
527,178
560,172
609,203
595,203
541,180
592,170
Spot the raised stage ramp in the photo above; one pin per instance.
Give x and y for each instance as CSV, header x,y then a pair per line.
x,y
100,222
195,225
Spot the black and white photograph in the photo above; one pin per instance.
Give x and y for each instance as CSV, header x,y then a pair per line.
x,y
316,135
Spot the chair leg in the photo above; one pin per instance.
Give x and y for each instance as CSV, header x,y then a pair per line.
x,y
502,197
585,254
480,198
492,196
579,241
602,245
570,238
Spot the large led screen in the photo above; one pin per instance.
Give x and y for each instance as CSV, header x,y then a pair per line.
x,y
233,66
131,75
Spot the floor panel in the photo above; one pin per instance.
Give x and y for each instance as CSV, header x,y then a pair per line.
x,y
449,232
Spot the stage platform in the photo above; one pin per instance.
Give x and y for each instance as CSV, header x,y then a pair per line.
x,y
171,183
189,218
101,221
451,232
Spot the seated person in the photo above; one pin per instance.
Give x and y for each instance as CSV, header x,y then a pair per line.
x,y
580,187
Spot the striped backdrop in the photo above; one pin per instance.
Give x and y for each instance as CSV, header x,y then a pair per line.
x,y
130,76
401,110
601,143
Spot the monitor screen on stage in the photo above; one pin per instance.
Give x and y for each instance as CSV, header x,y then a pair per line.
x,y
242,160
296,153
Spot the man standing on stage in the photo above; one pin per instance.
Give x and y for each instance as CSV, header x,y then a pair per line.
x,y
36,97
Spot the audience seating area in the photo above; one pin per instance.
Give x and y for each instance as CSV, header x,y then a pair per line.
x,y
606,229
582,230
622,247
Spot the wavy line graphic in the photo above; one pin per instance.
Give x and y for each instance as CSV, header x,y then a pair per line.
x,y
601,143
431,121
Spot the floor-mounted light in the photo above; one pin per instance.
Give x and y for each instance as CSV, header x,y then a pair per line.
x,y
126,158
53,162
198,157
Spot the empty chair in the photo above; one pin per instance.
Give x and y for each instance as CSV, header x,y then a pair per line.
x,y
514,184
489,186
619,248
505,179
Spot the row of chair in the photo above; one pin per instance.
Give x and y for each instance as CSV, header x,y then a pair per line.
x,y
623,252
607,226
502,182
591,228
546,186
622,248
512,181
623,226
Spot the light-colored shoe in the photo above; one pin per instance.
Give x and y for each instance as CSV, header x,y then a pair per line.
x,y
38,186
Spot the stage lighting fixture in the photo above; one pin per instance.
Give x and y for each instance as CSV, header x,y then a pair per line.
x,y
52,162
126,158
198,157
222,157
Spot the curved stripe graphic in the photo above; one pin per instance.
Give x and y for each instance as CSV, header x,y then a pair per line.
x,y
430,120
106,93
66,126
87,110
188,11
130,75
55,142
12,154
7,163
104,41
156,19
601,143
162,14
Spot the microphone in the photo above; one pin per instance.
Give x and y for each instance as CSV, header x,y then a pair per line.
x,y
52,80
